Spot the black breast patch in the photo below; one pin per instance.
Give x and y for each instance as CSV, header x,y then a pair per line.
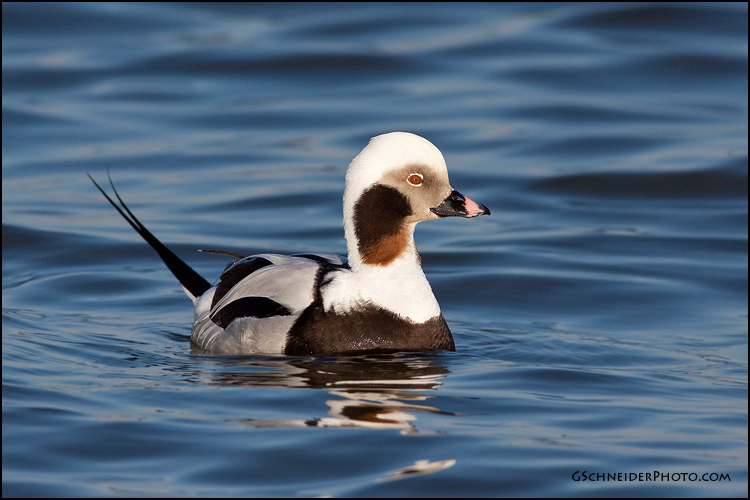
x,y
367,329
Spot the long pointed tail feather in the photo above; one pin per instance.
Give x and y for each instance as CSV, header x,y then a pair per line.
x,y
192,282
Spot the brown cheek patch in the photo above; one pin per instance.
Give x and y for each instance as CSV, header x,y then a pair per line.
x,y
385,250
379,218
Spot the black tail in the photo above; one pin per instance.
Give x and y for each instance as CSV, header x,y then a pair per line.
x,y
192,282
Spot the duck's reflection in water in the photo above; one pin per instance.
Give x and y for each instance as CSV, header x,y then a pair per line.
x,y
373,391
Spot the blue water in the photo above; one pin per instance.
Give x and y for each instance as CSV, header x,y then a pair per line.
x,y
599,313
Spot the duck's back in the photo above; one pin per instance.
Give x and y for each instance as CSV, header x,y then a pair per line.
x,y
256,302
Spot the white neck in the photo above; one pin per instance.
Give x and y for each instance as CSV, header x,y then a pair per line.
x,y
400,287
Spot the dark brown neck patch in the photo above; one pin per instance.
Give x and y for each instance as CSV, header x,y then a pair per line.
x,y
379,216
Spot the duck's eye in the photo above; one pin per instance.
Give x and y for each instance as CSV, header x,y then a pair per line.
x,y
414,179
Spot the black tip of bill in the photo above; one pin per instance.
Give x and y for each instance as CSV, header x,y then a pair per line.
x,y
458,205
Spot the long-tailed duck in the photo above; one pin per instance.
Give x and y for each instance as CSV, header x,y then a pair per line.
x,y
314,304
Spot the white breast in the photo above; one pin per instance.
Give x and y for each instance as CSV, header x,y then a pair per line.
x,y
401,288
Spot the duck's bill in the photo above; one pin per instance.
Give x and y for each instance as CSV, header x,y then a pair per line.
x,y
458,205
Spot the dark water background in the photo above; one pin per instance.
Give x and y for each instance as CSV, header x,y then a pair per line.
x,y
600,313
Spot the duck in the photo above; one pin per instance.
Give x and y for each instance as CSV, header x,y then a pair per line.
x,y
376,300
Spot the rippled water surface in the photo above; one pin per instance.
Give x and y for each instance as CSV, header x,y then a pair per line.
x,y
600,313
